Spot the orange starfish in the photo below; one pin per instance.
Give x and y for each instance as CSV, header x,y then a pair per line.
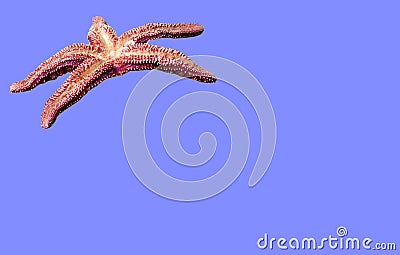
x,y
107,56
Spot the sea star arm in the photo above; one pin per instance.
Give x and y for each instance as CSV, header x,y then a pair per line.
x,y
154,31
59,64
102,35
145,57
87,76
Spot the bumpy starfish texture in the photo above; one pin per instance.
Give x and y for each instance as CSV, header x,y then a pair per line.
x,y
108,55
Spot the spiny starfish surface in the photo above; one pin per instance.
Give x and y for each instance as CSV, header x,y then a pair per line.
x,y
108,55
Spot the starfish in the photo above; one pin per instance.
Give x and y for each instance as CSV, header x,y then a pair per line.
x,y
108,55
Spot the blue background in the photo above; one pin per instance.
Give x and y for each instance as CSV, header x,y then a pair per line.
x,y
331,70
